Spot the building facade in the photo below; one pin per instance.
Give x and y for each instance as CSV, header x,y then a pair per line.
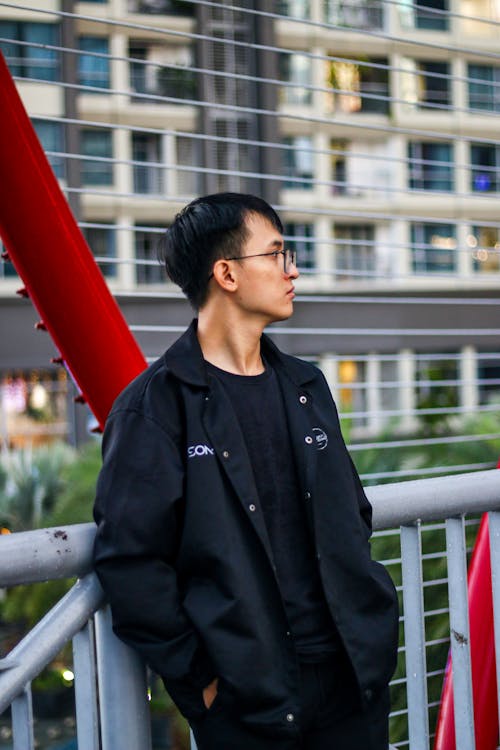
x,y
372,126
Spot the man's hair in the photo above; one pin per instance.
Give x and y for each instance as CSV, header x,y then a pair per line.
x,y
207,229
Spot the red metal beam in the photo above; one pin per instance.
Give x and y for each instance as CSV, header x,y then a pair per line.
x,y
56,265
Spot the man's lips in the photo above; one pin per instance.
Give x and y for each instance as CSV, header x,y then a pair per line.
x,y
291,292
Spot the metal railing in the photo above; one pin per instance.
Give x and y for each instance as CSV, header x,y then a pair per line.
x,y
110,680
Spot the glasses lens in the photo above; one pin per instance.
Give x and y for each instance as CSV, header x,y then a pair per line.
x,y
290,258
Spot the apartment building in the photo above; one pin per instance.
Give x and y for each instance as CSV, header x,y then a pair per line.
x,y
370,124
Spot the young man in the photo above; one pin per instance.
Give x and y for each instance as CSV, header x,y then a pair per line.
x,y
232,527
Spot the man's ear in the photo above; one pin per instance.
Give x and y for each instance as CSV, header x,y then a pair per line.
x,y
224,275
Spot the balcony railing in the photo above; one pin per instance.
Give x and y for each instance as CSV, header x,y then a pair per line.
x,y
103,665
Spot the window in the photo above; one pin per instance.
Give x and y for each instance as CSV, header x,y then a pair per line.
x,y
93,68
101,241
162,70
147,148
29,61
426,84
189,181
356,14
485,168
7,270
359,87
354,251
97,143
488,373
296,69
148,269
352,397
484,243
484,87
433,247
299,237
431,15
430,166
298,161
50,135
170,7
294,8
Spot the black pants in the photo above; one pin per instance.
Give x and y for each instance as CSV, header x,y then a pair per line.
x,y
331,719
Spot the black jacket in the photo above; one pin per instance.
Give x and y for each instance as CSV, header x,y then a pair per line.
x,y
183,553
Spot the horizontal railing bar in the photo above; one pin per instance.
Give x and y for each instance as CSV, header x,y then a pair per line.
x,y
434,499
46,554
47,638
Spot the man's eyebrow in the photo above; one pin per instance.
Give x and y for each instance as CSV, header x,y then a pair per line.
x,y
276,243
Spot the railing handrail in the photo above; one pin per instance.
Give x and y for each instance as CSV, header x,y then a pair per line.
x,y
66,551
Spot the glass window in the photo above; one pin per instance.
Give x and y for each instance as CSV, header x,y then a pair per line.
x,y
296,69
169,7
189,181
7,270
298,237
162,70
101,241
97,143
356,14
51,136
488,372
146,147
484,87
354,251
93,69
298,163
352,395
484,243
148,268
294,8
431,15
430,166
433,247
31,60
485,168
359,87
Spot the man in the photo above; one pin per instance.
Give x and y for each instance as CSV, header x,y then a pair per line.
x,y
232,527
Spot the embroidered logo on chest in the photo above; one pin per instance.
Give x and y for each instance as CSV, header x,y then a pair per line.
x,y
321,438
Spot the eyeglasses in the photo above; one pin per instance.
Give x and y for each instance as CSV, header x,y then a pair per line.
x,y
289,258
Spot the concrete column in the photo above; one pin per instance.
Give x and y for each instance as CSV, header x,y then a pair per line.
x,y
125,251
120,79
468,374
328,364
407,391
400,238
464,255
373,399
324,252
169,158
322,167
122,151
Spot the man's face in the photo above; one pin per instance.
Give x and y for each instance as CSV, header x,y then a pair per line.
x,y
265,290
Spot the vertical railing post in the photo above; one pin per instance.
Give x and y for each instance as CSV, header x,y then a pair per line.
x,y
459,633
84,665
414,628
124,710
22,720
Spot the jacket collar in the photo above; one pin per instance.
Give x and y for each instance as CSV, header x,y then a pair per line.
x,y
185,360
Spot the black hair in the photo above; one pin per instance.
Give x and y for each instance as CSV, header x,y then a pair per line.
x,y
207,229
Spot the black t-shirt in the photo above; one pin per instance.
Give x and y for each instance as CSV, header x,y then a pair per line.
x,y
258,403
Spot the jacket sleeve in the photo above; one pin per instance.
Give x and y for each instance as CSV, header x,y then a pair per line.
x,y
365,508
138,511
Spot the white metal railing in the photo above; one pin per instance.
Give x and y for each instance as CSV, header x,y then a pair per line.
x,y
102,664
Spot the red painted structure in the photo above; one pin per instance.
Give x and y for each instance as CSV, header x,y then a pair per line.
x,y
64,282
482,639
56,265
